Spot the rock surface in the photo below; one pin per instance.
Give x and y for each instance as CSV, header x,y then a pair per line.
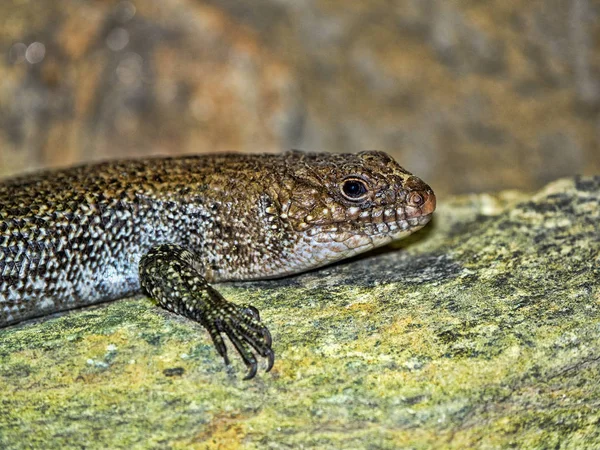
x,y
477,96
483,330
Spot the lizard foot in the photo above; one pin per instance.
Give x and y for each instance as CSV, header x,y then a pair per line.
x,y
172,275
245,331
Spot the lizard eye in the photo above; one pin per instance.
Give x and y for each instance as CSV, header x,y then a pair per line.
x,y
354,189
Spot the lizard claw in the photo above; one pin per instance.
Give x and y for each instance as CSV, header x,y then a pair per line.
x,y
270,360
268,338
252,369
253,366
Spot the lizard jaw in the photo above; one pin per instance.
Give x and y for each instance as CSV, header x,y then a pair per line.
x,y
315,249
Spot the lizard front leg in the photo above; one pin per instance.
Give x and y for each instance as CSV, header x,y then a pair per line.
x,y
173,276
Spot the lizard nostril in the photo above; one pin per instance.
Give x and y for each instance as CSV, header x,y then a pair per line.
x,y
416,199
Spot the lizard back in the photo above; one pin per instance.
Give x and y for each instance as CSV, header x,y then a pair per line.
x,y
74,237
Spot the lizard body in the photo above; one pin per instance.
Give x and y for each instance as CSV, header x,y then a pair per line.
x,y
171,226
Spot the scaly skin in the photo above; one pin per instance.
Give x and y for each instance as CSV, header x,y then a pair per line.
x,y
170,226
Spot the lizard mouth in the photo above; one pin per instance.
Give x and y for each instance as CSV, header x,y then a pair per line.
x,y
396,222
353,233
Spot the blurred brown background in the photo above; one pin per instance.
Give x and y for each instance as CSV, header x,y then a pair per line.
x,y
470,95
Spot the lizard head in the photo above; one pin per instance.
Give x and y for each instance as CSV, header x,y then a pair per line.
x,y
343,204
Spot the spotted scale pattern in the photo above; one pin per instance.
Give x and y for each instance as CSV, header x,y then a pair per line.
x,y
171,226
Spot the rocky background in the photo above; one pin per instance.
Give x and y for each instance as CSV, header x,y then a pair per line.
x,y
471,95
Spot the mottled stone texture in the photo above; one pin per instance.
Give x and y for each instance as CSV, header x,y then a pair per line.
x,y
474,95
482,331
